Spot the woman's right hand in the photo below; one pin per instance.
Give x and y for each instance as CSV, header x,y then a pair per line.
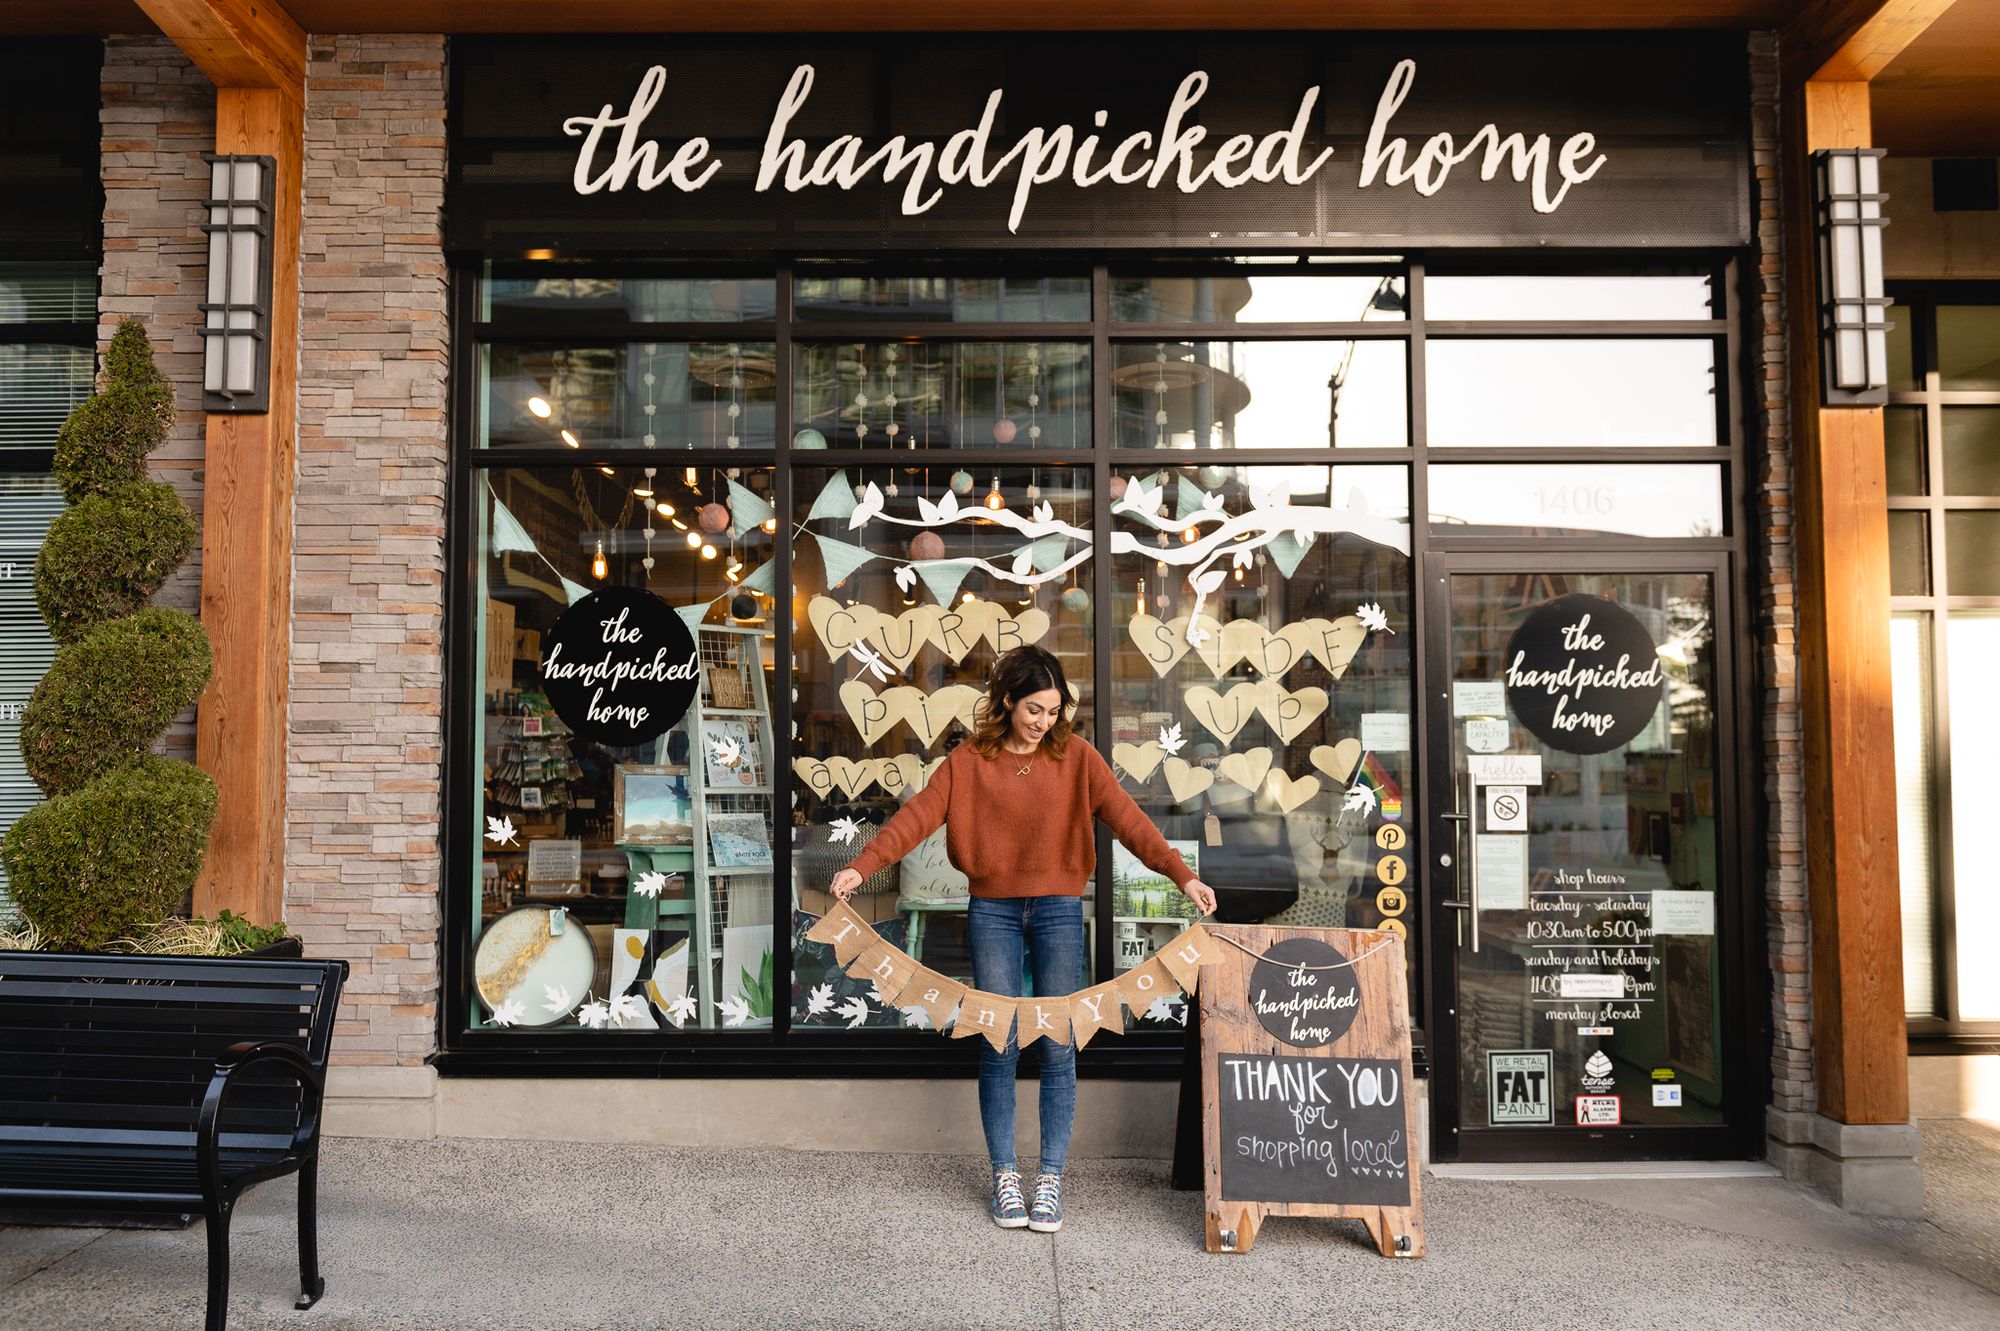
x,y
845,883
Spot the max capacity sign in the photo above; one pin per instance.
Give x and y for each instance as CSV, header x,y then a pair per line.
x,y
620,667
1308,1105
1583,674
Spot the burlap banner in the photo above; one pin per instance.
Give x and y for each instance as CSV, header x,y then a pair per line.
x,y
1063,1018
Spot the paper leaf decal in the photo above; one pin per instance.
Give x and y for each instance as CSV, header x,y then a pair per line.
x,y
943,577
500,831
559,1001
1278,496
735,1010
764,578
1045,512
844,830
596,1014
627,1007
856,1010
841,559
1204,582
906,578
940,512
680,1009
1360,799
1371,617
746,508
916,1018
508,535
836,500
650,884
1139,499
875,992
1161,1009
820,1001
869,505
1243,558
508,1013
1170,739
1024,559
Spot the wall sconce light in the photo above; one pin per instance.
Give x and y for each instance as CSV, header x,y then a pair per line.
x,y
236,317
1847,229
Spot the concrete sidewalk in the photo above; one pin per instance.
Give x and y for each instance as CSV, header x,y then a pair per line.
x,y
551,1236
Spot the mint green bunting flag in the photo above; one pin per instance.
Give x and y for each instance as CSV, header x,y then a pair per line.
x,y
836,500
1187,498
508,534
764,579
1048,552
747,510
692,615
839,557
1287,550
573,591
943,576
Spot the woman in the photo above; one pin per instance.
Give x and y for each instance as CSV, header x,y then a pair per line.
x,y
1016,801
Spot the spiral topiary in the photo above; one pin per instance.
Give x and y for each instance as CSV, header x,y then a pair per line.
x,y
123,835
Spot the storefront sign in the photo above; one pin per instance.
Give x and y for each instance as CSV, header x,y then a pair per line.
x,y
620,667
1583,674
1156,142
1303,992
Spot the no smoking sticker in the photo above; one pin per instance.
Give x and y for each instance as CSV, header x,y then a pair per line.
x,y
1506,808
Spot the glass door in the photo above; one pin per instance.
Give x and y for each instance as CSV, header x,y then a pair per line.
x,y
1580,875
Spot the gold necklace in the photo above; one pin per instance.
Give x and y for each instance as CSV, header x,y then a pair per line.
x,y
1022,770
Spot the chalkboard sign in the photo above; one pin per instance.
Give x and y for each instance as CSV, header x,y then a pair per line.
x,y
1308,1107
619,667
1583,674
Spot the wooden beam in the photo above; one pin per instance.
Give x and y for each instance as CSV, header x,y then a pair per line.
x,y
1851,41
237,43
1841,534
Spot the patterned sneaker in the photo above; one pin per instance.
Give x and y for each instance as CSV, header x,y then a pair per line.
x,y
1045,1217
1009,1210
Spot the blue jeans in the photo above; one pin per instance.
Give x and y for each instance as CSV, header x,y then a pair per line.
x,y
1050,930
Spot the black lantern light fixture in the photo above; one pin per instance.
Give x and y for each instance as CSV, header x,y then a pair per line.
x,y
1853,322
236,317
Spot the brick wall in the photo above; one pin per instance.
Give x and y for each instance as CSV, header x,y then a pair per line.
x,y
363,798
158,117
1787,937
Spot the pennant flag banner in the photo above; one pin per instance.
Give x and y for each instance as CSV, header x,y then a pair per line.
x,y
1187,498
1287,549
1063,1018
692,615
747,509
835,501
575,591
1048,552
764,579
840,558
508,533
943,576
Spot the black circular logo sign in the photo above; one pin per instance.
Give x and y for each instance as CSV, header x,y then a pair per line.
x,y
620,667
1583,674
1304,993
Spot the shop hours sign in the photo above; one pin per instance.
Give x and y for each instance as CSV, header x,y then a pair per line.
x,y
1583,674
1307,1103
620,667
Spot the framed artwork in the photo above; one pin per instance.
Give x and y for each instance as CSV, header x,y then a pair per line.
x,y
651,805
738,841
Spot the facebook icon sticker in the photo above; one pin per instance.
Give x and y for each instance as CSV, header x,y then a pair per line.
x,y
1518,1090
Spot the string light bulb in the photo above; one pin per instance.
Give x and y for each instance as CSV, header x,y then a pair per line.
x,y
664,509
600,568
707,550
994,499
570,439
770,526
540,407
694,539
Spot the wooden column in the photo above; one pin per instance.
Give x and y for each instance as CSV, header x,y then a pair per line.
x,y
256,56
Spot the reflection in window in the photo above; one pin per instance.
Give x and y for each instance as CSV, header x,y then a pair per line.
x,y
1567,392
1909,554
1297,693
897,624
1968,348
629,395
629,878
1261,394
1621,297
1910,675
939,299
1972,553
547,292
1971,450
1577,500
941,395
1903,438
1262,298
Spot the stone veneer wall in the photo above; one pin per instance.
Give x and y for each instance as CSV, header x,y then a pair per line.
x,y
1788,933
365,751
364,775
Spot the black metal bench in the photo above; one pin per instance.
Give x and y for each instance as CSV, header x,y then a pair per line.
x,y
164,1085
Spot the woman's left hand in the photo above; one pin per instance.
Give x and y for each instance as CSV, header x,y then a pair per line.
x,y
1201,894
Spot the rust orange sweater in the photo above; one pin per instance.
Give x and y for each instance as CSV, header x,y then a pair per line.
x,y
1023,836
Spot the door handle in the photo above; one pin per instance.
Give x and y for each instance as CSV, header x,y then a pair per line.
x,y
1463,818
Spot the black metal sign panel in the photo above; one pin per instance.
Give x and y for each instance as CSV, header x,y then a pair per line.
x,y
803,144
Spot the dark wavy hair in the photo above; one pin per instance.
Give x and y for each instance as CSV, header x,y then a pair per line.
x,y
1018,673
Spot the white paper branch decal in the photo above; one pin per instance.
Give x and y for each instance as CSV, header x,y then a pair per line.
x,y
1371,617
735,1010
1044,512
500,831
820,1001
844,830
1360,799
856,1010
508,1013
870,506
650,884
559,1000
1171,742
944,510
1139,500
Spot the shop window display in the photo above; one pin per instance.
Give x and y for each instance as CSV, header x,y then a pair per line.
x,y
626,888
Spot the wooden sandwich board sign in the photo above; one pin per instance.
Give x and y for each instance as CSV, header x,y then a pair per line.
x,y
1308,1107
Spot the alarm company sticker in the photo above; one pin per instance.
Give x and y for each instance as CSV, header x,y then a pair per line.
x,y
1597,1111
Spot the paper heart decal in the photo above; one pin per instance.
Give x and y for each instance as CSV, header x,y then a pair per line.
x,y
1245,769
813,772
1288,711
931,715
1289,793
1224,714
873,714
1007,632
898,774
838,627
1163,642
1335,641
1138,761
902,637
1186,780
852,777
1337,760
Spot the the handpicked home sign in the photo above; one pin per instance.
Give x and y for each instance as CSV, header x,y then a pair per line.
x,y
620,667
1308,1107
1583,674
1064,1018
